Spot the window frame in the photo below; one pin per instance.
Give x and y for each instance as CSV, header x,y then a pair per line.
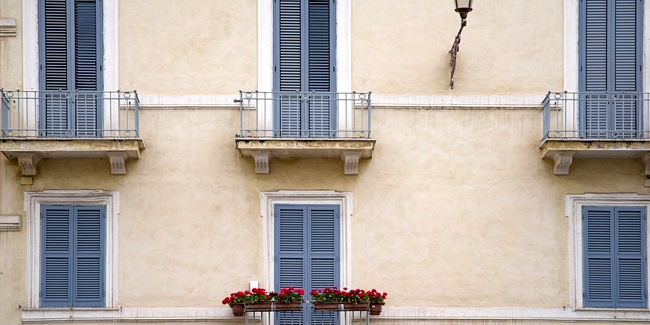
x,y
573,210
33,203
268,201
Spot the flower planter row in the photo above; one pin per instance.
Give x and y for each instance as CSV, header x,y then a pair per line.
x,y
241,309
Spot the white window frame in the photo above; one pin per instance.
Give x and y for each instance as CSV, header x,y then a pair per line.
x,y
574,205
265,59
268,201
33,203
572,57
31,57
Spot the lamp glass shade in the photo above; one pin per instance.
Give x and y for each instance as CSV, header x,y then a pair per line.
x,y
464,5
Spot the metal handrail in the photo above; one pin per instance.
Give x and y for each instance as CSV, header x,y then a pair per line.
x,y
596,116
305,115
70,114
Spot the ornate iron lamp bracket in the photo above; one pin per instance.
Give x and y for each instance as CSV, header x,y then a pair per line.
x,y
454,52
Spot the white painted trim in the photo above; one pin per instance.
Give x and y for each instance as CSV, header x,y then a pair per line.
x,y
573,210
33,202
9,223
457,101
268,200
378,100
405,314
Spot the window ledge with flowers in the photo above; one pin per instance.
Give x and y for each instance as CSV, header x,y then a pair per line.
x,y
291,299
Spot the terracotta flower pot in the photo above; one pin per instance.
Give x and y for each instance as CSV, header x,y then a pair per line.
x,y
238,309
291,306
375,308
326,306
260,306
363,306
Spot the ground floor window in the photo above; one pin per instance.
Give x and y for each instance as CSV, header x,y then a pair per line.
x,y
72,256
609,250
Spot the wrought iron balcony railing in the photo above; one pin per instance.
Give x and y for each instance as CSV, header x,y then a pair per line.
x,y
70,114
304,115
593,116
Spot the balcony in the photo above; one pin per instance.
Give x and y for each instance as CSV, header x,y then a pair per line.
x,y
595,125
305,124
49,124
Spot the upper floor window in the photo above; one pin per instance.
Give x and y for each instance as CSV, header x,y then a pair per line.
x,y
611,46
304,61
70,56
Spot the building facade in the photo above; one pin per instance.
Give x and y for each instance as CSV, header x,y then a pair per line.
x,y
158,155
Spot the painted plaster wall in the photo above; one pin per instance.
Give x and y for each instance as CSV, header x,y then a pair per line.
x,y
455,209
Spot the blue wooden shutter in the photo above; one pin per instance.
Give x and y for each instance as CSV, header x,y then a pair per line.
x,y
89,256
631,263
87,65
304,37
70,53
610,63
614,257
72,257
56,256
307,251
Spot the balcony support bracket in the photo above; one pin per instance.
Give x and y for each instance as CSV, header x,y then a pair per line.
x,y
562,160
118,162
646,163
262,158
28,163
351,162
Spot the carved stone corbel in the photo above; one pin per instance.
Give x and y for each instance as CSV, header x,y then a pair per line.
x,y
351,162
261,161
646,163
28,163
118,162
563,160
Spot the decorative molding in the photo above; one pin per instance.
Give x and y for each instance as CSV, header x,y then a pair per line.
x,y
454,101
351,162
28,163
7,27
573,210
118,165
261,161
33,202
405,315
562,160
216,101
9,223
268,200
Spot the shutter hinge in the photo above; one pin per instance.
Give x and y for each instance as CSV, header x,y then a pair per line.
x,y
583,294
103,292
334,68
40,293
275,68
338,258
40,67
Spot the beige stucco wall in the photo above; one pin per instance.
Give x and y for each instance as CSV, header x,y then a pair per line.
x,y
455,209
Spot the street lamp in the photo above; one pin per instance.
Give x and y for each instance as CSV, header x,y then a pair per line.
x,y
463,7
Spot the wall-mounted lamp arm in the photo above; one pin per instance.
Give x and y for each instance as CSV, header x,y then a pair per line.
x,y
454,52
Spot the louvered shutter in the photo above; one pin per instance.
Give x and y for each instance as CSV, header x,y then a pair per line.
x,y
630,257
614,257
611,44
304,61
307,252
89,257
324,254
56,256
73,262
70,56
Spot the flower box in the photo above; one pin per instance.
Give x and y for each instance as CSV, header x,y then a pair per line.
x,y
291,306
260,306
326,306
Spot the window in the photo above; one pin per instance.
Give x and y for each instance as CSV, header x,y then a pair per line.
x,y
608,250
73,256
72,214
304,61
70,56
614,243
307,250
611,50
